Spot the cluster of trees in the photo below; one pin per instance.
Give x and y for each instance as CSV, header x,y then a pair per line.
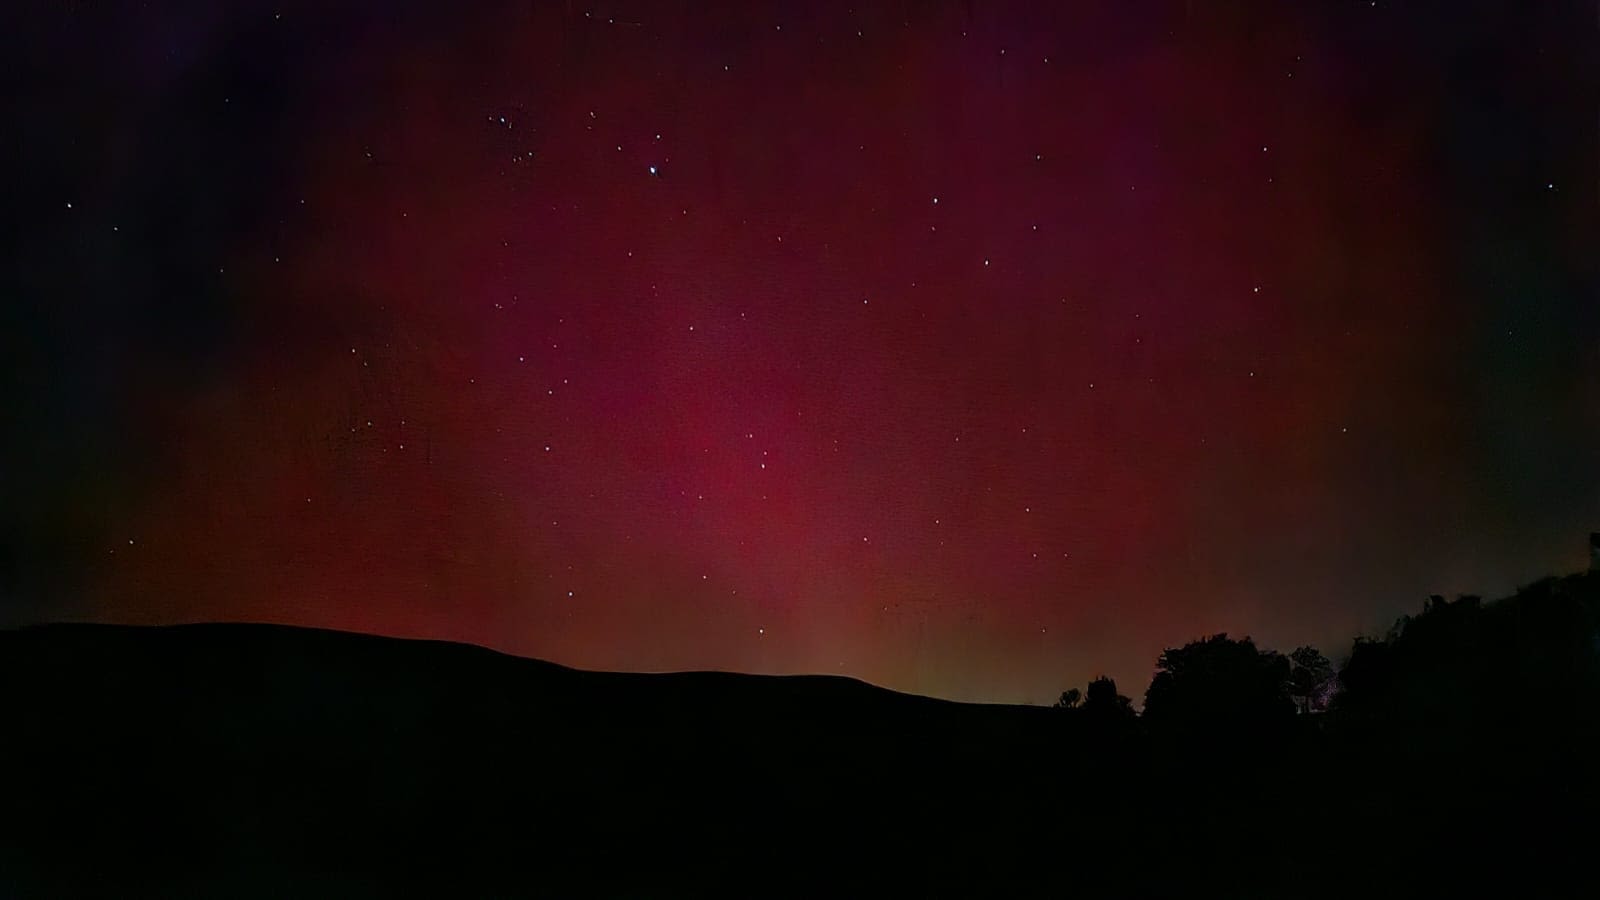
x,y
1218,680
1461,660
1454,755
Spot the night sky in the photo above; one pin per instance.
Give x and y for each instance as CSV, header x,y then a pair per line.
x,y
970,349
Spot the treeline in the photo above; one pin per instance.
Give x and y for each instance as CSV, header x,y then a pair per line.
x,y
1458,754
1458,664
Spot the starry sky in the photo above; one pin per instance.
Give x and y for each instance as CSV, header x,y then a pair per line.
x,y
969,349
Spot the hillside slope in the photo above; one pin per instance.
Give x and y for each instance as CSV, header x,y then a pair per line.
x,y
249,753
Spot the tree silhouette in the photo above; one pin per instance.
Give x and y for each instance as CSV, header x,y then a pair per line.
x,y
1221,685
1101,701
1309,679
1069,699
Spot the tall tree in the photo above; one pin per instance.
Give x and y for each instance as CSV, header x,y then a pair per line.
x,y
1310,676
1219,683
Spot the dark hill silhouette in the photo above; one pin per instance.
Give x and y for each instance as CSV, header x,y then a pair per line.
x,y
258,760
250,753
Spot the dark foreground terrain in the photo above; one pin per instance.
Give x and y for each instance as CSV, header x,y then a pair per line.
x,y
255,761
